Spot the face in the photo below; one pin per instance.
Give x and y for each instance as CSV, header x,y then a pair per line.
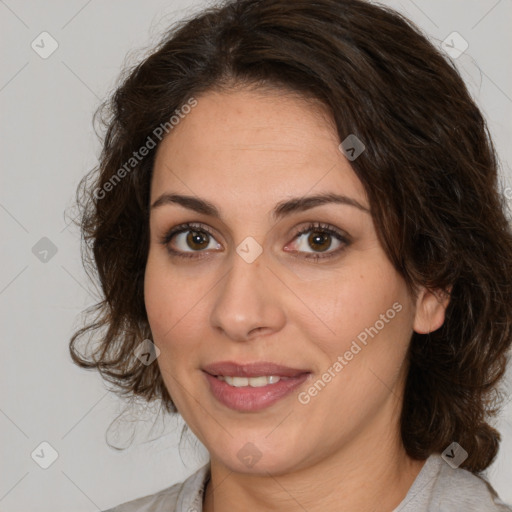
x,y
245,277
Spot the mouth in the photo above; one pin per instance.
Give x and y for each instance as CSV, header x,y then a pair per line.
x,y
254,386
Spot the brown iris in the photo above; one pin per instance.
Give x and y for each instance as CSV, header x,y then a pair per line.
x,y
319,240
194,240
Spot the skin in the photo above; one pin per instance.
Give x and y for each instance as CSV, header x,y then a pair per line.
x,y
246,151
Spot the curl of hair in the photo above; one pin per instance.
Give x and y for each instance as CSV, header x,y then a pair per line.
x,y
429,169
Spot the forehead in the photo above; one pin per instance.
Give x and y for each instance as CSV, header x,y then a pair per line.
x,y
254,144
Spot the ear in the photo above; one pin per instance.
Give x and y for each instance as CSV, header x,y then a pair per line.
x,y
430,310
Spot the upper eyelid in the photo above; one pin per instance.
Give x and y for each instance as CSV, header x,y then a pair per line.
x,y
323,226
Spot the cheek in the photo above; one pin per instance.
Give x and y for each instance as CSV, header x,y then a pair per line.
x,y
355,300
173,319
168,309
157,299
369,316
366,318
169,296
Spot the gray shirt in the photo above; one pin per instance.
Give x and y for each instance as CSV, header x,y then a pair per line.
x,y
437,488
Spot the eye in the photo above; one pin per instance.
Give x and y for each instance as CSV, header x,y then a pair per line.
x,y
189,239
320,239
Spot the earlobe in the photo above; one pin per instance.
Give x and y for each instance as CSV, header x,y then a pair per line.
x,y
430,310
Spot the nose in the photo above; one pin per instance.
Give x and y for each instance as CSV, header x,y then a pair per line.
x,y
248,301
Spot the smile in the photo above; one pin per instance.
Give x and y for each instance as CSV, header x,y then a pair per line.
x,y
251,387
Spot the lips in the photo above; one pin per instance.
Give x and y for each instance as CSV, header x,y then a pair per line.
x,y
249,398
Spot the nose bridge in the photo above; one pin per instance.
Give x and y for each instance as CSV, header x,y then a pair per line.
x,y
245,300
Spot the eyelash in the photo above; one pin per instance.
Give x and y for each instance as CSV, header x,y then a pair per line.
x,y
201,228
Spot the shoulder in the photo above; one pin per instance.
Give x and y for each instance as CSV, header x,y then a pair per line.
x,y
459,487
180,496
441,488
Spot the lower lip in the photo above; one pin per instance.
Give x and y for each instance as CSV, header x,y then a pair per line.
x,y
248,399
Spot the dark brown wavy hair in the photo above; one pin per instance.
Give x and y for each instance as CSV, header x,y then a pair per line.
x,y
430,171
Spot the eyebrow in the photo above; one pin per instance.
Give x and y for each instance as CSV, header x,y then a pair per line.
x,y
282,209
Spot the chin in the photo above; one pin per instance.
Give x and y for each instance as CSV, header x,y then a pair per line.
x,y
259,456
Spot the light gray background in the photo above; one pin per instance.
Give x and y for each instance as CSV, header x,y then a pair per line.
x,y
47,144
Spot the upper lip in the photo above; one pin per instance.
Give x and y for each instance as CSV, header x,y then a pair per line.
x,y
230,368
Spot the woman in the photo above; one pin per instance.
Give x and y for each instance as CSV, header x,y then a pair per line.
x,y
303,250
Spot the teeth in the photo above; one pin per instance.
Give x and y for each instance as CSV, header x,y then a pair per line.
x,y
254,382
